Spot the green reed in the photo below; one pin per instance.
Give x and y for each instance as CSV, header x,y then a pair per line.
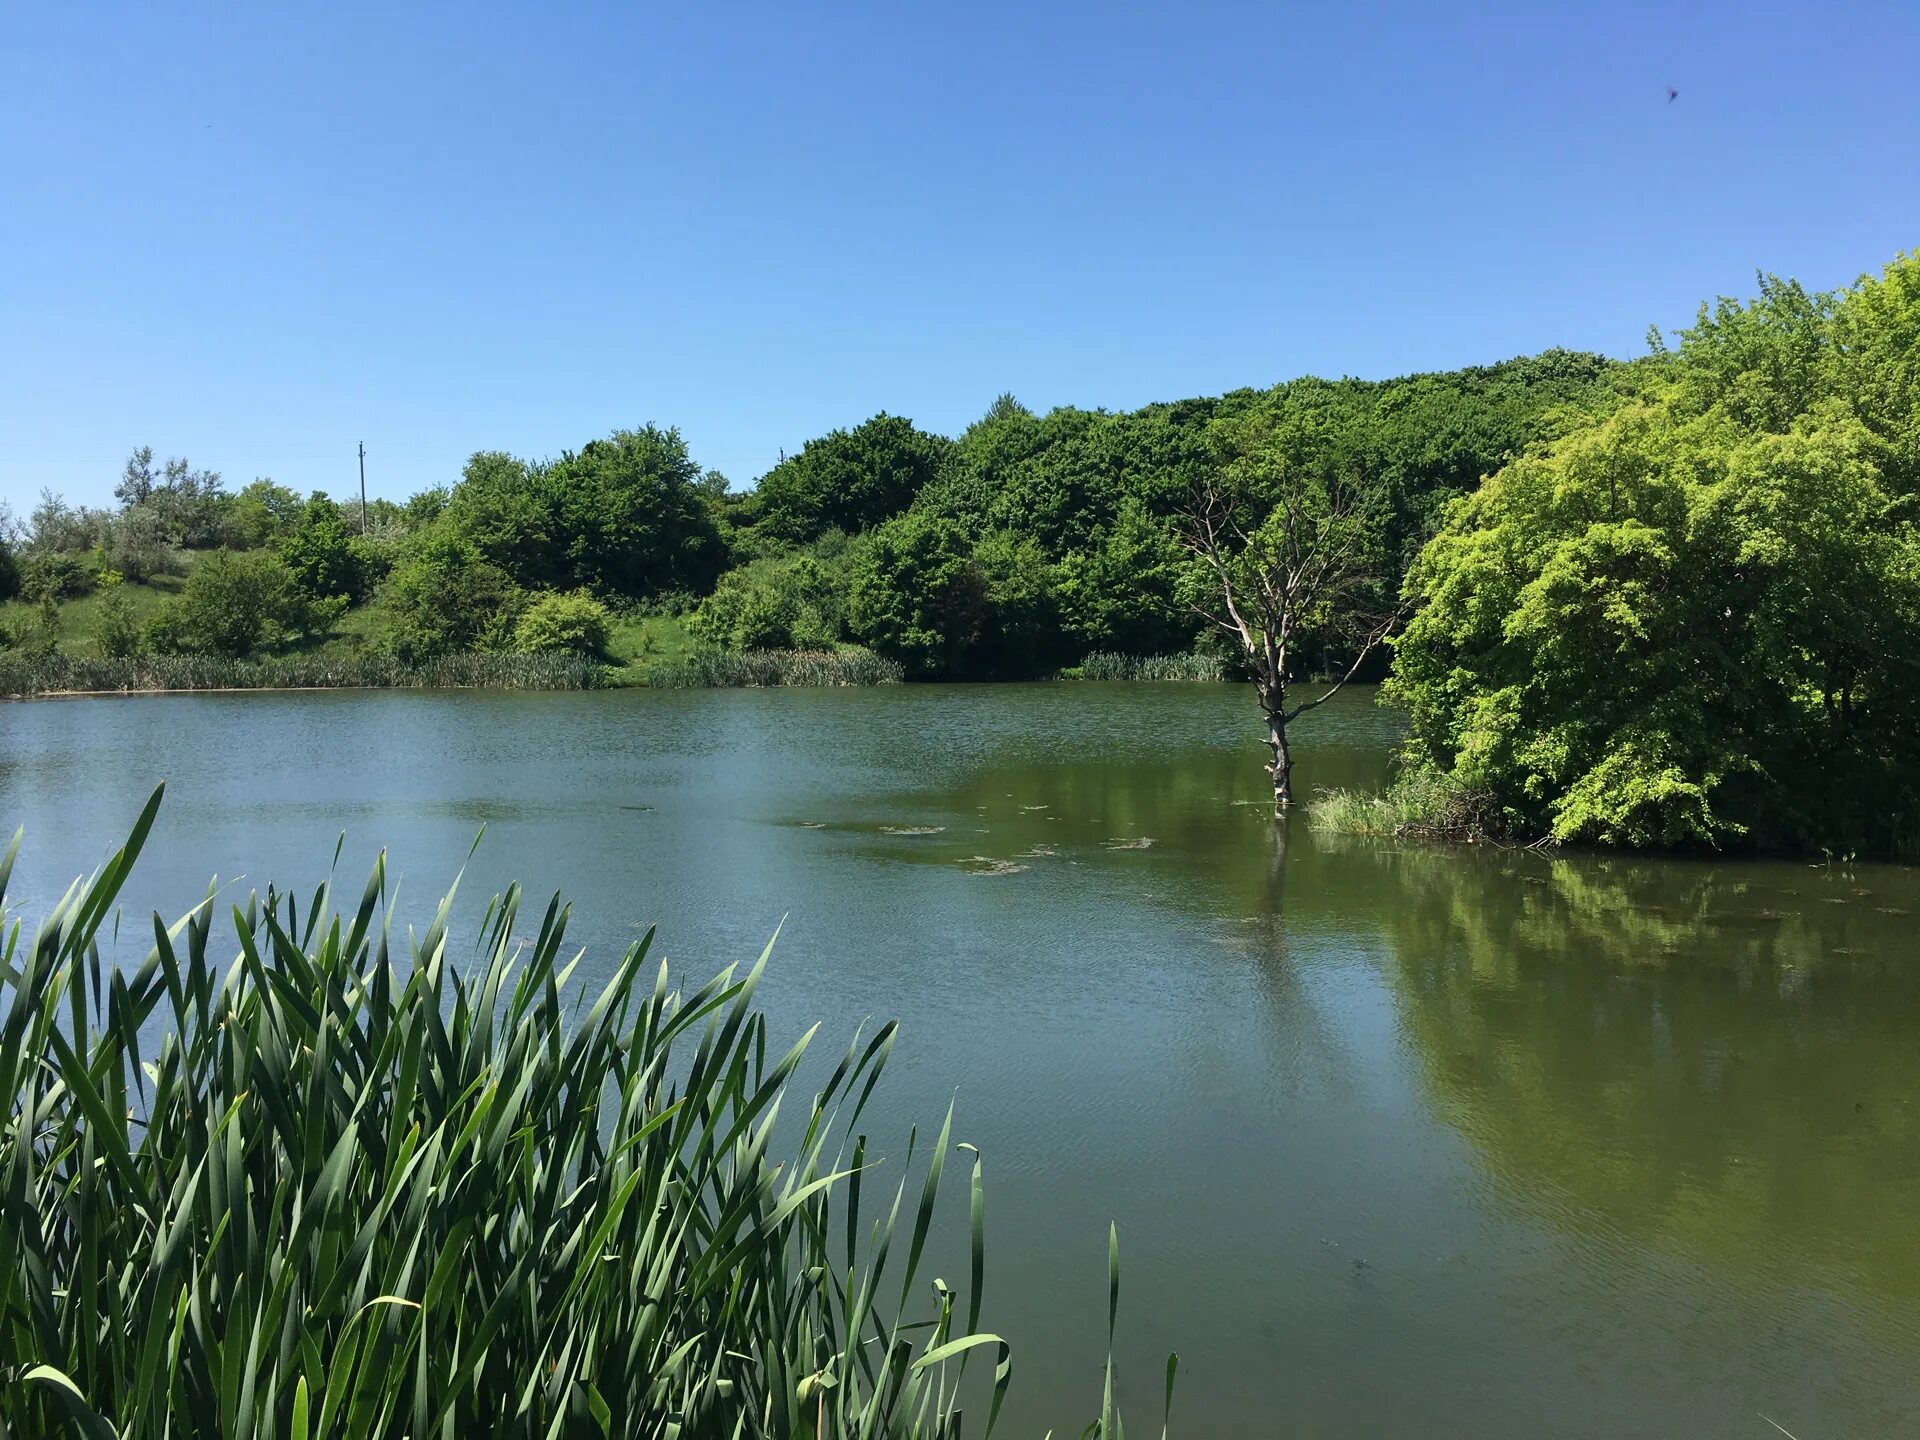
x,y
350,1193
1105,665
1420,804
746,668
25,674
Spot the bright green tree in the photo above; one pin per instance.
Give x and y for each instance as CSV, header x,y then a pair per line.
x,y
261,511
504,509
1120,591
561,620
1020,632
9,560
1690,622
795,602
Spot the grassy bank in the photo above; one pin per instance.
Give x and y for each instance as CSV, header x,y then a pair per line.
x,y
25,675
353,1193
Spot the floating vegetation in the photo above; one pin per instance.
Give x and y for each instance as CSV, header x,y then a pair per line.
x,y
1040,852
987,865
1105,665
755,669
912,829
29,675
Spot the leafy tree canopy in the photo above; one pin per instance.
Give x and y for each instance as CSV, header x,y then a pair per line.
x,y
237,602
916,595
1691,621
444,596
849,479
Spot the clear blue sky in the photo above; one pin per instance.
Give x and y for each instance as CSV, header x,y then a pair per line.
x,y
256,234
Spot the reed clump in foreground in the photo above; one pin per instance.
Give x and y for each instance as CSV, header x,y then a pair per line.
x,y
1105,665
354,1194
722,669
26,674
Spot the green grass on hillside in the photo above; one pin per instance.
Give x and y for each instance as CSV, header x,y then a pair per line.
x,y
79,619
640,642
638,646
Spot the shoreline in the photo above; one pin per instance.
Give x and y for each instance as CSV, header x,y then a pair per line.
x,y
127,693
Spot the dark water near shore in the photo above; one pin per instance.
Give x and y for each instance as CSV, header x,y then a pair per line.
x,y
1398,1140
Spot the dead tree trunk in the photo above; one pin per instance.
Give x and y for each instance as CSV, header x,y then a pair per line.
x,y
1280,768
1306,565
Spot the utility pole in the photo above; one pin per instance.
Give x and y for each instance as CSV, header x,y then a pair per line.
x,y
363,487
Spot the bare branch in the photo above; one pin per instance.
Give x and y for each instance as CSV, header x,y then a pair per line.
x,y
1373,641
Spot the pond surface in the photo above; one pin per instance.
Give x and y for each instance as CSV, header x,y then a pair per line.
x,y
1399,1141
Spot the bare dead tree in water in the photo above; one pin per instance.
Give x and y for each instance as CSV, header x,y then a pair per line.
x,y
1301,565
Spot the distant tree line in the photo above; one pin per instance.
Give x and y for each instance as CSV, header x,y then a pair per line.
x,y
1017,548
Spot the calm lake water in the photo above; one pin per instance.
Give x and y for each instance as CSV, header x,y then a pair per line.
x,y
1398,1140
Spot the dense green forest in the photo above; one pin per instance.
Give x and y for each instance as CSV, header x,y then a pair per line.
x,y
1658,602
1017,548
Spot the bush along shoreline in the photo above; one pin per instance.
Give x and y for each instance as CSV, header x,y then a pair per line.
x,y
309,1187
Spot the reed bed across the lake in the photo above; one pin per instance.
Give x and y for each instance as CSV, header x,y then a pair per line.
x,y
28,675
722,669
1106,665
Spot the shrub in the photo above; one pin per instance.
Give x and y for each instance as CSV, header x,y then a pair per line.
x,y
54,575
34,638
237,602
442,597
1421,804
116,629
319,551
790,603
141,546
574,622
